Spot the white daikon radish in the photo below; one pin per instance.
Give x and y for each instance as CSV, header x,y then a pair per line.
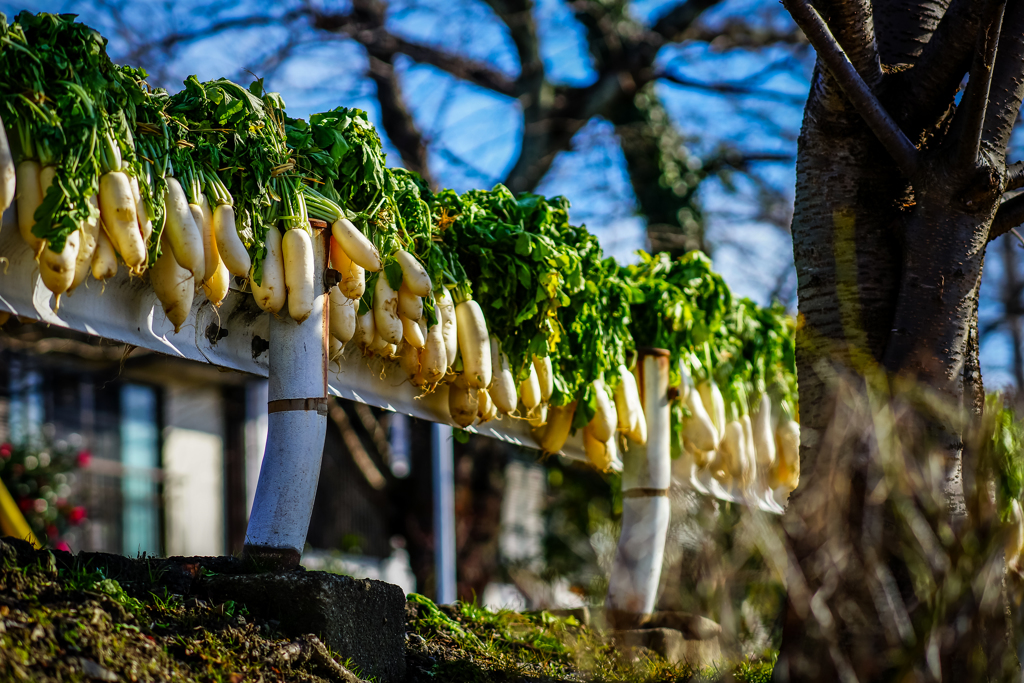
x,y
409,305
538,417
624,407
353,276
750,457
1014,544
174,287
445,309
342,315
732,448
474,343
297,249
385,311
603,424
787,453
600,454
414,332
379,345
529,390
355,244
216,288
90,235
229,245
117,207
463,402
104,261
366,330
29,197
557,430
638,425
270,293
503,386
485,408
545,377
714,404
698,428
8,175
58,269
433,357
183,233
764,441
409,358
142,215
334,349
414,275
211,256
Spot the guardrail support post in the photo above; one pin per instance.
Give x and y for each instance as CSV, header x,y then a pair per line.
x,y
296,426
646,476
443,461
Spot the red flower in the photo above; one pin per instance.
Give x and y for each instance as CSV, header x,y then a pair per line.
x,y
76,515
6,450
63,546
52,531
83,458
25,504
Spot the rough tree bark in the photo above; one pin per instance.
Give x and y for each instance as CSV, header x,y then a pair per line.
x,y
898,193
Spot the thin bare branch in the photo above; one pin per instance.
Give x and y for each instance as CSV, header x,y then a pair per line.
x,y
864,101
672,25
853,25
1014,176
1007,84
1009,215
974,104
730,89
397,120
740,33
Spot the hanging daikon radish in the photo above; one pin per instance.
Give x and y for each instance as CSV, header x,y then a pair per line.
x,y
297,249
787,452
529,390
57,270
557,430
342,315
355,244
414,331
433,358
602,425
229,245
408,358
474,343
628,407
714,403
29,197
216,287
414,275
104,261
463,402
698,428
270,293
545,377
211,257
1014,544
600,454
750,457
503,386
87,247
334,349
184,236
445,308
174,287
764,441
378,345
385,311
353,276
409,305
8,174
142,214
366,330
538,417
485,406
117,207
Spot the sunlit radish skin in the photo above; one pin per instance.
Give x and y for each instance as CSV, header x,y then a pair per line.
x,y
409,305
183,233
174,287
414,275
216,287
58,269
342,315
366,329
90,235
449,324
385,311
270,293
355,244
29,197
117,207
503,386
104,261
474,343
297,249
545,377
8,174
229,245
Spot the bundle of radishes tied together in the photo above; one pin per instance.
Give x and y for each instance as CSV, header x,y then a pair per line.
x,y
497,297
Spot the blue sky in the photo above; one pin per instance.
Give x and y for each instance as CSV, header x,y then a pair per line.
x,y
473,133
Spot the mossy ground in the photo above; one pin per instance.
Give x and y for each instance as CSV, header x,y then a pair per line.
x,y
73,624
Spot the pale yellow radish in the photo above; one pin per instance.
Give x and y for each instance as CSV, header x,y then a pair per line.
x,y
355,244
485,408
141,213
216,287
366,329
183,232
297,251
503,385
270,293
529,389
764,443
445,309
353,276
408,358
599,453
463,402
342,315
211,257
698,428
433,358
474,343
603,424
229,245
174,287
104,260
714,404
29,197
545,377
117,207
57,270
414,275
557,430
8,174
409,305
414,332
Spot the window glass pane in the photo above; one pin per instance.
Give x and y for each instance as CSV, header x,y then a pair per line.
x,y
140,457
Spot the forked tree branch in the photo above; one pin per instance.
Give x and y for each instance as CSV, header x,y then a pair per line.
x,y
1014,176
853,26
975,101
900,148
1007,81
1009,215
